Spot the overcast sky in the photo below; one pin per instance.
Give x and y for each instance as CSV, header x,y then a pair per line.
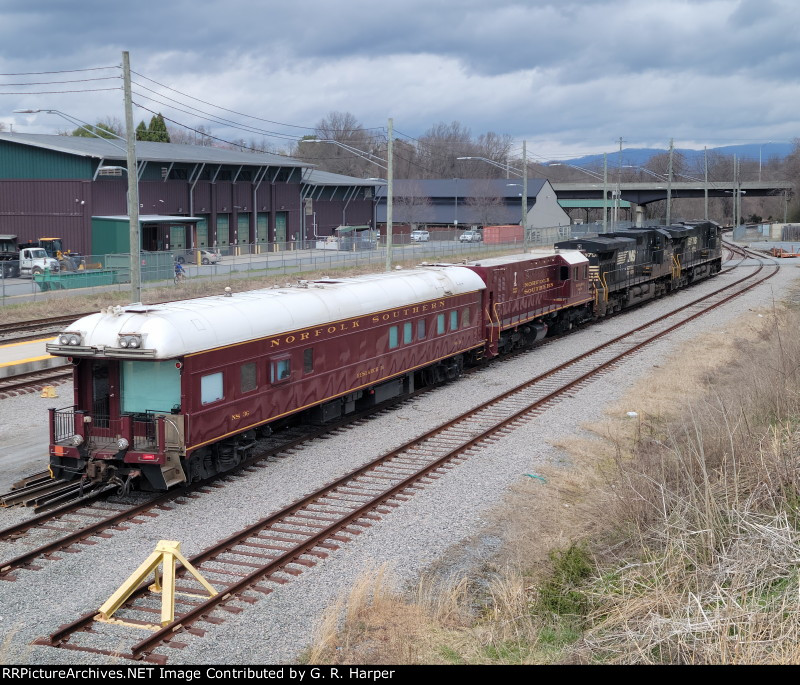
x,y
570,77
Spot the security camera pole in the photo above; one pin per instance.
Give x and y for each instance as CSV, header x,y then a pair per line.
x,y
133,182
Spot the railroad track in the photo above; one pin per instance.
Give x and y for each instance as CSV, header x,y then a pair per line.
x,y
34,381
272,551
22,331
82,518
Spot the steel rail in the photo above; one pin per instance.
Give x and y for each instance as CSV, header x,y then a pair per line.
x,y
144,647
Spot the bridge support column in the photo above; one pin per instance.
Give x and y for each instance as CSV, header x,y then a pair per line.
x,y
638,214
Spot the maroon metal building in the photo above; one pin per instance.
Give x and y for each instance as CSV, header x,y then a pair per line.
x,y
55,185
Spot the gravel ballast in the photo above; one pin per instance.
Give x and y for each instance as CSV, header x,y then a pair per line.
x,y
410,540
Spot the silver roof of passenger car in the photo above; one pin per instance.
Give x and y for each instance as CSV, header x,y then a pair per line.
x,y
176,329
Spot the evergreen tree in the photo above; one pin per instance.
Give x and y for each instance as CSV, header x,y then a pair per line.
x,y
158,129
141,132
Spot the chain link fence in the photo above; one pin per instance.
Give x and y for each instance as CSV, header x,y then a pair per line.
x,y
92,274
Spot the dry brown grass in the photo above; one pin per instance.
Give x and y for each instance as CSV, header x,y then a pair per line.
x,y
690,513
704,507
373,625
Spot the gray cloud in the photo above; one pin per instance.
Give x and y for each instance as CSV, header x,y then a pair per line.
x,y
564,74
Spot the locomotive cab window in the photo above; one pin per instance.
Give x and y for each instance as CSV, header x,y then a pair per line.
x,y
280,370
564,273
211,388
248,377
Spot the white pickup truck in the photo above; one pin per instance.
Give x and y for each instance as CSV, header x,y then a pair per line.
x,y
34,260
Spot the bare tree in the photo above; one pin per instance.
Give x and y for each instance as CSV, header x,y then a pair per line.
x,y
406,162
439,148
485,202
344,128
186,136
659,164
108,127
412,204
792,173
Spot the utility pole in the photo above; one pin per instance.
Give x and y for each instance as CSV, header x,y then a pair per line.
x,y
389,194
133,183
737,193
619,185
705,184
605,193
524,196
669,186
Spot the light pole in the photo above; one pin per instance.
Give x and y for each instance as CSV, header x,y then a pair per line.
x,y
505,167
133,185
75,122
455,205
524,196
591,173
363,154
645,170
597,177
387,166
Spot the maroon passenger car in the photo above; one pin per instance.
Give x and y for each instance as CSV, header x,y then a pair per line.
x,y
178,391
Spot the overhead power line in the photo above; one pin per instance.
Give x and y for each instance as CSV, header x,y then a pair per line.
x,y
51,92
243,114
205,134
208,116
47,83
63,71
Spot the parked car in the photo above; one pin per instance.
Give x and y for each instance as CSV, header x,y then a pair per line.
x,y
471,237
206,257
420,236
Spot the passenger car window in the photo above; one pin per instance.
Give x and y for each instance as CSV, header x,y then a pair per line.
x,y
280,370
211,388
454,320
440,324
308,360
421,329
393,337
408,332
248,377
465,318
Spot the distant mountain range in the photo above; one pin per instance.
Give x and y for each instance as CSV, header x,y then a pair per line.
x,y
640,156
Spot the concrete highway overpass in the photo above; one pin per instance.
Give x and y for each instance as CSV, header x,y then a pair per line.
x,y
642,193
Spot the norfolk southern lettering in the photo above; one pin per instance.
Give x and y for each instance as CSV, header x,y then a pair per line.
x,y
310,334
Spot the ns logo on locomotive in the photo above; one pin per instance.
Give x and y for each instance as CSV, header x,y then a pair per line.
x,y
171,393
